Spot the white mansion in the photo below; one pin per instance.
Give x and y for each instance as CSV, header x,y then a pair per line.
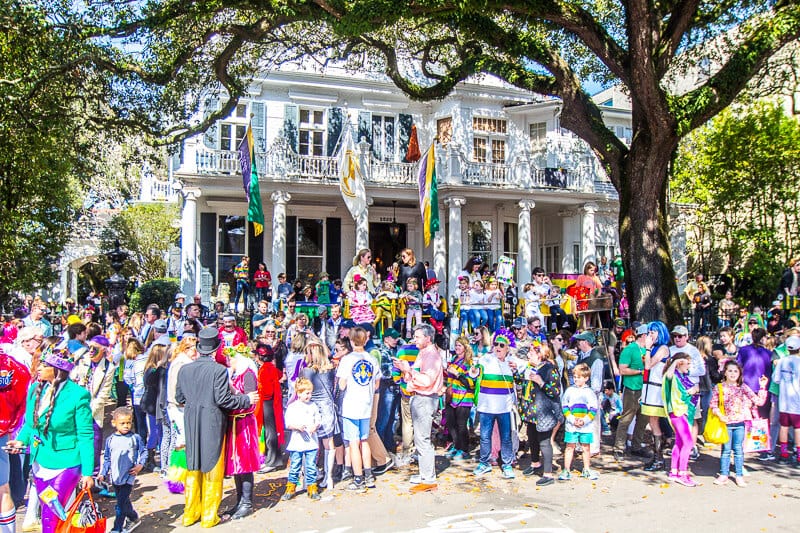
x,y
511,180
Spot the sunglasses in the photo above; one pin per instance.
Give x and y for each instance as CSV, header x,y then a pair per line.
x,y
559,339
500,344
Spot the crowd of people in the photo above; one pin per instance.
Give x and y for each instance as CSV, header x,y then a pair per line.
x,y
348,379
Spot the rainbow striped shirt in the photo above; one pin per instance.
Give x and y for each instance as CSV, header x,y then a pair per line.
x,y
462,395
579,403
407,352
494,388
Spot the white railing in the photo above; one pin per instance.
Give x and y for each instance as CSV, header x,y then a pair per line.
x,y
488,174
391,173
217,161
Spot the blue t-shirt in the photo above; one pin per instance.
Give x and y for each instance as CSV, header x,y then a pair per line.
x,y
122,452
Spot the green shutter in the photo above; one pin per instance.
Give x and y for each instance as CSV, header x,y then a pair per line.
x,y
404,134
291,117
258,109
210,137
335,128
364,127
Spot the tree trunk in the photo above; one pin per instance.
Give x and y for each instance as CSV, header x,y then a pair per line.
x,y
644,230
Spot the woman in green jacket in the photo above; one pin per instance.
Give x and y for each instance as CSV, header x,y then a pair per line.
x,y
58,430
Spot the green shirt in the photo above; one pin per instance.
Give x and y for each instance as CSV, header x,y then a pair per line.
x,y
633,357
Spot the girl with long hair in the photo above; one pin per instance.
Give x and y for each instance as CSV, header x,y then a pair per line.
x,y
459,399
655,357
680,402
319,371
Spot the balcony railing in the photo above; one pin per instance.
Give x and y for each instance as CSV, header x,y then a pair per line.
x,y
282,164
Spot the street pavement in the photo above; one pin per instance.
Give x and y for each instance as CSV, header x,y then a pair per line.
x,y
625,498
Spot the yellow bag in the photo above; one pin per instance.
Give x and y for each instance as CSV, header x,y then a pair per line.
x,y
716,431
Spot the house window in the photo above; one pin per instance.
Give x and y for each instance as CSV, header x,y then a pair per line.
x,y
576,258
231,135
605,250
383,136
538,134
312,132
510,240
444,130
231,246
310,247
479,239
550,258
241,110
489,133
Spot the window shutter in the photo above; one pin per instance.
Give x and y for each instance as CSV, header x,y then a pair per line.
x,y
208,242
335,126
364,126
291,116
333,252
210,138
404,134
255,248
291,248
259,125
176,155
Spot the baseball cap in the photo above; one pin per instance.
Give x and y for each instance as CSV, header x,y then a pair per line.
x,y
519,323
585,336
180,295
642,330
347,324
160,325
793,343
391,332
680,330
620,322
101,340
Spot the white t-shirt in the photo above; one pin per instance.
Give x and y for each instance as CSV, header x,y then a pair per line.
x,y
302,414
698,365
362,373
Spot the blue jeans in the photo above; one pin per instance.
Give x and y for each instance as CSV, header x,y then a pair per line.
x,y
388,410
478,318
242,289
298,460
124,508
487,421
705,404
735,441
495,318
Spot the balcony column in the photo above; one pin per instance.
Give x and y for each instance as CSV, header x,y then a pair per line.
x,y
440,253
524,257
73,286
362,228
190,281
279,201
455,259
567,240
587,232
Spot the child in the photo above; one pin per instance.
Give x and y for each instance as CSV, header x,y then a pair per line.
x,y
477,300
612,408
283,291
303,419
554,301
385,302
737,401
336,292
579,404
680,395
464,306
124,457
787,377
432,302
494,305
413,299
360,302
323,289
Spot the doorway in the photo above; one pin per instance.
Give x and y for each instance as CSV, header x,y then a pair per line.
x,y
385,249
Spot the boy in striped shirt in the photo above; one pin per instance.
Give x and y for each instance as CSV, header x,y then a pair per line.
x,y
579,403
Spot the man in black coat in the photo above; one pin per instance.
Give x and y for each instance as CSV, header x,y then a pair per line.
x,y
204,389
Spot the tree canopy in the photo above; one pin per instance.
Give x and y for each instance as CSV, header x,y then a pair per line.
x,y
166,54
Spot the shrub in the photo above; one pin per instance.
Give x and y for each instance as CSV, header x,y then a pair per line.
x,y
157,291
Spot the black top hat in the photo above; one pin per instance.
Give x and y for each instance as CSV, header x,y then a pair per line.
x,y
208,341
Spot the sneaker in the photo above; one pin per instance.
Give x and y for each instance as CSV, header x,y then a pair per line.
x,y
358,488
565,475
740,482
417,479
721,480
450,452
606,433
531,470
695,455
590,474
685,480
107,493
766,456
619,455
382,469
508,472
544,481
482,469
673,477
460,456
347,474
130,525
369,481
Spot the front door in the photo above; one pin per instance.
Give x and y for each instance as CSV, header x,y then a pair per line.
x,y
385,248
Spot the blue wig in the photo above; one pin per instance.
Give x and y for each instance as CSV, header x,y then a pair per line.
x,y
663,334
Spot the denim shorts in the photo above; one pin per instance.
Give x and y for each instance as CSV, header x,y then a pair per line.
x,y
573,437
354,430
5,469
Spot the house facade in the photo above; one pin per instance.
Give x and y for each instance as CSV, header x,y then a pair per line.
x,y
511,181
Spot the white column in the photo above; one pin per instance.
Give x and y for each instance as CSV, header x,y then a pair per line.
x,y
64,282
566,240
588,232
189,275
362,230
455,259
440,252
73,288
279,200
524,254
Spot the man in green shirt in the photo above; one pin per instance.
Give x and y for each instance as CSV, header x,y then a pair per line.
x,y
631,368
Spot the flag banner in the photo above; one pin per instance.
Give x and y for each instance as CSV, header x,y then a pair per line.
x,y
351,177
412,154
429,195
247,162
